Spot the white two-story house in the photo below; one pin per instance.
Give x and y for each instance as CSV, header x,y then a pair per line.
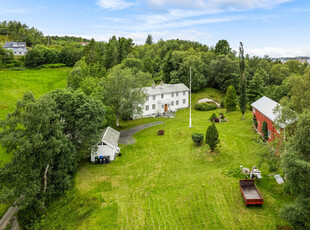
x,y
165,98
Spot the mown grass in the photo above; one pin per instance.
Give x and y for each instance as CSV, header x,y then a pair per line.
x,y
167,182
14,84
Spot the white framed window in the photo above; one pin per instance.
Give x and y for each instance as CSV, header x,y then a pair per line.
x,y
147,98
153,106
269,134
184,93
172,103
172,94
162,106
177,94
184,101
253,110
147,107
154,97
162,96
177,102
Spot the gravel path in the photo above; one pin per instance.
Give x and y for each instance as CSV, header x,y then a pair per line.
x,y
126,135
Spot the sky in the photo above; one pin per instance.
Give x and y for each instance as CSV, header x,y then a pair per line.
x,y
276,28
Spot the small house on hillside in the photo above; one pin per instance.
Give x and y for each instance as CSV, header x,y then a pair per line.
x,y
262,109
165,98
108,146
18,48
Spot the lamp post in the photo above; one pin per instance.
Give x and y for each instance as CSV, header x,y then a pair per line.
x,y
190,97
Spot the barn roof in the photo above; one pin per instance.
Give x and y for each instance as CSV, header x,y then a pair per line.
x,y
266,106
165,88
110,136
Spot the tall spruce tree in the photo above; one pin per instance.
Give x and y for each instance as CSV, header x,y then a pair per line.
x,y
243,81
149,40
212,136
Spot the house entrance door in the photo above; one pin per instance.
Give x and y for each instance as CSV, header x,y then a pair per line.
x,y
166,107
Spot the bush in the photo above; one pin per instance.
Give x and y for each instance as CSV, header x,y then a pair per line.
x,y
53,66
197,138
222,104
216,119
212,136
205,106
212,117
255,121
265,131
230,99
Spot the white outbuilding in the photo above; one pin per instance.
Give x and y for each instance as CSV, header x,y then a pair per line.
x,y
108,146
165,98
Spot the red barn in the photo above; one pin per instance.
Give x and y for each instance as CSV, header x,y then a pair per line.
x,y
263,111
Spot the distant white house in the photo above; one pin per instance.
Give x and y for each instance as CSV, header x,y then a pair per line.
x,y
108,146
18,48
165,98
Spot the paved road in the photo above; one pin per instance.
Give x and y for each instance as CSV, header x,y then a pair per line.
x,y
7,217
126,135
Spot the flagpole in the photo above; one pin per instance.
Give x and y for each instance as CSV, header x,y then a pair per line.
x,y
190,97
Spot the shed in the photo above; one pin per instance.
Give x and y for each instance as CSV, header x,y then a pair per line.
x,y
108,146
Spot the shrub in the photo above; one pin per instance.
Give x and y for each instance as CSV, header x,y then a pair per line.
x,y
53,66
205,106
197,138
212,117
230,99
255,121
212,136
216,119
265,131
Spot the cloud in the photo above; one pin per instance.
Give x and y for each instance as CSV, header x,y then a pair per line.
x,y
114,4
218,5
279,52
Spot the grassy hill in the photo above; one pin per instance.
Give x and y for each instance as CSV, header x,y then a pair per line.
x,y
13,85
167,182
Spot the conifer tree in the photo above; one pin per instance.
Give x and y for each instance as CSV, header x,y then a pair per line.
x,y
243,99
230,99
212,136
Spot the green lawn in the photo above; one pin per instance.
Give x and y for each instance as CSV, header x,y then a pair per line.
x,y
167,182
13,85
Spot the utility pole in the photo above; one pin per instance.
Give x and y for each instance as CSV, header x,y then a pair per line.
x,y
190,97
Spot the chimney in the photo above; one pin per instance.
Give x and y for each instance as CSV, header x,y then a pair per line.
x,y
153,85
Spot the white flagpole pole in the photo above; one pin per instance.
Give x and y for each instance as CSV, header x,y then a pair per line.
x,y
190,97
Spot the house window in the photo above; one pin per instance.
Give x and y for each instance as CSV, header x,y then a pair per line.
x,y
184,93
172,103
147,107
162,96
162,106
184,101
253,110
177,94
177,102
147,98
153,106
154,97
172,94
269,134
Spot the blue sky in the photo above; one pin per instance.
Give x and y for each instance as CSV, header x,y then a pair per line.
x,y
272,27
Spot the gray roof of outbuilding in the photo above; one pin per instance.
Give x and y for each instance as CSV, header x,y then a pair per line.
x,y
165,88
266,106
110,136
15,45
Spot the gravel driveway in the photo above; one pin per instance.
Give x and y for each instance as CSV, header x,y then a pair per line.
x,y
126,135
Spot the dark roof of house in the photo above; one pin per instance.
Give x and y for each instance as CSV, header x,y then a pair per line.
x,y
15,45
